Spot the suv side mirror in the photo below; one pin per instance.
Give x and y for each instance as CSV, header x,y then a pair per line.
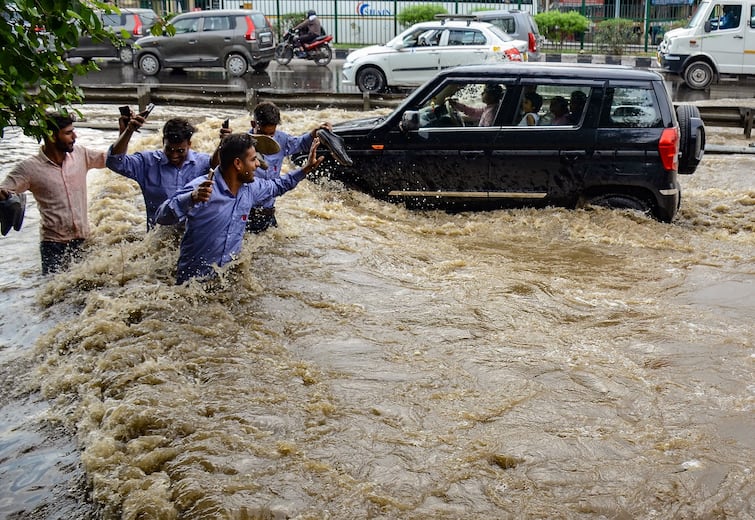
x,y
409,121
706,27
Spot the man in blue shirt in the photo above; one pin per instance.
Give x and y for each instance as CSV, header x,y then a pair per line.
x,y
160,173
215,208
267,117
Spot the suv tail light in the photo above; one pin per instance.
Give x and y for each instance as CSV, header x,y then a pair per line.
x,y
668,148
137,25
532,41
250,35
513,54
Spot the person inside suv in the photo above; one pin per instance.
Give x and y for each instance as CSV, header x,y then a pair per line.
x,y
577,102
485,116
531,104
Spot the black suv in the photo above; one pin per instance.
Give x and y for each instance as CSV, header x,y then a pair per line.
x,y
602,135
135,22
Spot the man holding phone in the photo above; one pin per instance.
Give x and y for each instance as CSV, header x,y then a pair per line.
x,y
215,207
160,173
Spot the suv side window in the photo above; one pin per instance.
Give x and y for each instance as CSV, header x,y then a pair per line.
x,y
552,105
216,23
462,105
188,25
631,107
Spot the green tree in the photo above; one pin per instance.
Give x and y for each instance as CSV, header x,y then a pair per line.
x,y
34,75
419,13
558,26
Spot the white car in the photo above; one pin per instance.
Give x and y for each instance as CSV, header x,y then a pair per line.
x,y
424,49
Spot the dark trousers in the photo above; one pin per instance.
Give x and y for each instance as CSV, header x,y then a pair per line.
x,y
57,256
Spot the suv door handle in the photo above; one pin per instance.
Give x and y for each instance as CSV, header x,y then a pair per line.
x,y
738,36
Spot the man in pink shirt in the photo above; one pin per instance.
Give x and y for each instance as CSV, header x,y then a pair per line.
x,y
56,176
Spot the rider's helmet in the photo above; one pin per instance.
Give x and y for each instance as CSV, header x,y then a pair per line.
x,y
311,13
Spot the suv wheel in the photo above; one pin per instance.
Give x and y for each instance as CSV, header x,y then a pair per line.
x,y
698,75
149,64
236,65
371,79
126,55
620,201
691,147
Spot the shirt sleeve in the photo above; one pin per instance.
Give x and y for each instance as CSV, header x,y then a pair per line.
x,y
127,165
16,181
176,208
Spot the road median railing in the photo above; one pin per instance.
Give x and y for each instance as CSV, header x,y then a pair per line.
x,y
234,97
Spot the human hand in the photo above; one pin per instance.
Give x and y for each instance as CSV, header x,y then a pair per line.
x,y
325,125
135,122
312,160
5,194
202,192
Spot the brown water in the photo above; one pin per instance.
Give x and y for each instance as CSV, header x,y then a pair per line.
x,y
367,361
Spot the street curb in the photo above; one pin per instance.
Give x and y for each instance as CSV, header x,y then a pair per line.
x,y
597,59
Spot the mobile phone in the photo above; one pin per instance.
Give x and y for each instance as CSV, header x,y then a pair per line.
x,y
226,123
147,110
210,174
125,111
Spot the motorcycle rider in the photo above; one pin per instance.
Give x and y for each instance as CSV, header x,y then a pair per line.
x,y
309,30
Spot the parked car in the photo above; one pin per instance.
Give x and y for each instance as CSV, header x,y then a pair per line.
x,y
234,39
136,22
622,145
424,49
520,25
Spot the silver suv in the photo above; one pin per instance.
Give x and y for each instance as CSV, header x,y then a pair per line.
x,y
136,22
234,39
520,25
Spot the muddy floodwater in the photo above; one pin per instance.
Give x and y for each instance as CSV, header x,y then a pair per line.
x,y
363,360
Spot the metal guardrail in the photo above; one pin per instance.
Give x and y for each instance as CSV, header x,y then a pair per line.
x,y
234,97
728,116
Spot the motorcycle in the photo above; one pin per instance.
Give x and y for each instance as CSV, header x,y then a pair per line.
x,y
318,50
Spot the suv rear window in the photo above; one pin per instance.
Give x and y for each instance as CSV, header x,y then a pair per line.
x,y
113,19
508,24
632,107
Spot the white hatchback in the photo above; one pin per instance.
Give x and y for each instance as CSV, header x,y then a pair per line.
x,y
424,49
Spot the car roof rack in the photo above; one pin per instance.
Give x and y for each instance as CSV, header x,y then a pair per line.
x,y
446,17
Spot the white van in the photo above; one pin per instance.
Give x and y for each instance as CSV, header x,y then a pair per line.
x,y
719,39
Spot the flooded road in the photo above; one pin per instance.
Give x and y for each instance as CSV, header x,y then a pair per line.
x,y
367,361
